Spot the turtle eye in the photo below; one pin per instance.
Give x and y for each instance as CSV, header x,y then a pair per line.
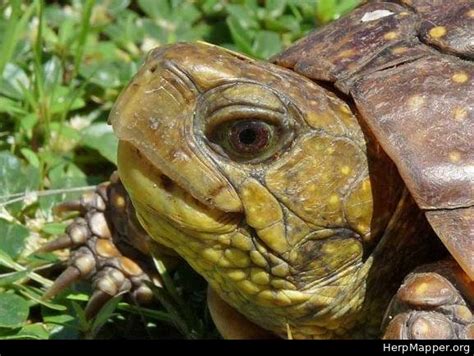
x,y
245,139
250,137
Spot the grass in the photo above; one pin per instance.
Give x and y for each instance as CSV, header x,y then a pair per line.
x,y
62,65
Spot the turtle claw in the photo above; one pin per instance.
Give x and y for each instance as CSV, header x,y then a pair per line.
x,y
432,303
94,239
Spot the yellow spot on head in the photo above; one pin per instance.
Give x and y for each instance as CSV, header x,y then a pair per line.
x,y
416,101
399,50
390,35
404,13
437,32
345,170
454,156
460,77
470,13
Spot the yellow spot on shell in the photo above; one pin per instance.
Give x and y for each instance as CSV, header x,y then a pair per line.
x,y
454,156
437,32
460,77
346,53
421,288
345,109
460,114
416,101
399,50
333,199
119,201
390,35
345,170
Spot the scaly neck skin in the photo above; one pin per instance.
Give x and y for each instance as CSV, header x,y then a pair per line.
x,y
407,243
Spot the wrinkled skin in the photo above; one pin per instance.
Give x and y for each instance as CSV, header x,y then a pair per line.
x,y
270,187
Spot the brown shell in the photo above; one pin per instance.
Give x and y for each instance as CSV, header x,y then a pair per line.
x,y
396,61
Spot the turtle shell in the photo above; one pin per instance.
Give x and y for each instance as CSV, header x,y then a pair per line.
x,y
408,67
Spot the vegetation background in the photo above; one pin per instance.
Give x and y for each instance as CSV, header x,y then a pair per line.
x,y
62,65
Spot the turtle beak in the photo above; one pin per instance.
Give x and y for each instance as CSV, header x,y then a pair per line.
x,y
155,115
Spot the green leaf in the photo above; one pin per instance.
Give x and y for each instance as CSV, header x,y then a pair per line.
x,y
36,331
9,278
63,175
31,157
266,44
14,78
275,8
105,313
13,309
12,238
240,35
155,9
100,137
54,228
244,16
16,177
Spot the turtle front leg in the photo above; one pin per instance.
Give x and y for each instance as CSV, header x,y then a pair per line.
x,y
434,302
108,247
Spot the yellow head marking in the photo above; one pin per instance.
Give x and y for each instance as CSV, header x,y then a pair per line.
x,y
416,101
460,77
454,156
399,50
390,35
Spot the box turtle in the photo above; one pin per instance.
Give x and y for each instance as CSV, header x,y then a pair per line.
x,y
327,193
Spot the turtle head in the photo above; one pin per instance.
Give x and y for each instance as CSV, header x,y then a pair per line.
x,y
258,177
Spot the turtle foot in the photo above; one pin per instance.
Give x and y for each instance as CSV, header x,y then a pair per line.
x,y
434,302
99,240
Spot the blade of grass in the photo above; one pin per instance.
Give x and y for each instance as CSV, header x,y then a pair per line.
x,y
85,27
14,28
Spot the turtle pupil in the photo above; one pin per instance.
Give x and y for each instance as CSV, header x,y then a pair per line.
x,y
247,136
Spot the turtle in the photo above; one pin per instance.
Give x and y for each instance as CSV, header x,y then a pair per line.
x,y
325,193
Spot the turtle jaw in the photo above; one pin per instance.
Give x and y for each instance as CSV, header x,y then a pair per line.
x,y
256,280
